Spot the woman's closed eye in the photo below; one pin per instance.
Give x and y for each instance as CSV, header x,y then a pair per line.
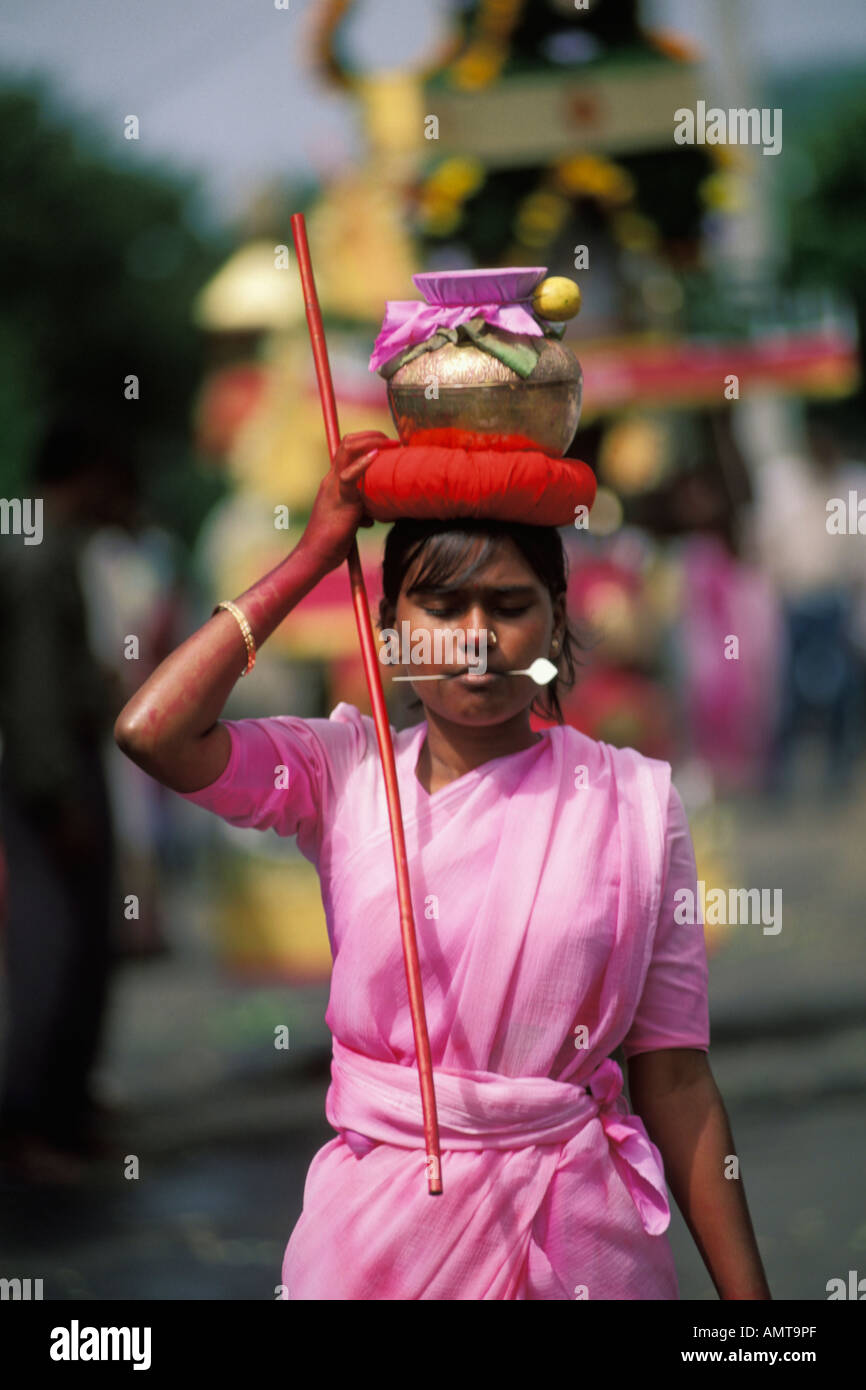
x,y
450,612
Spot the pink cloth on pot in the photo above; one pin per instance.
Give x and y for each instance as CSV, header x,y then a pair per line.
x,y
453,297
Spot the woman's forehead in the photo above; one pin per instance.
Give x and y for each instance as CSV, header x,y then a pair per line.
x,y
503,566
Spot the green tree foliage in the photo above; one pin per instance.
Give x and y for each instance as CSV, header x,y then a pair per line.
x,y
828,213
99,265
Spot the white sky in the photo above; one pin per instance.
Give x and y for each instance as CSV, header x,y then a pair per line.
x,y
223,87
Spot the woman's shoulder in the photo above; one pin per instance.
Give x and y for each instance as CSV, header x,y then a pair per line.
x,y
341,739
361,728
597,751
632,778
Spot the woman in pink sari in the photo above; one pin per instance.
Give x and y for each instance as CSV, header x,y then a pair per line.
x,y
544,870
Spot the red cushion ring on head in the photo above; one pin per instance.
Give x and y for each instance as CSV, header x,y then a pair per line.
x,y
427,481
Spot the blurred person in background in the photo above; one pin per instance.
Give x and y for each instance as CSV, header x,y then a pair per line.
x,y
132,576
55,820
818,570
725,690
728,637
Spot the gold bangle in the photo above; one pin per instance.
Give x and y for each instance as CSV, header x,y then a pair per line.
x,y
245,628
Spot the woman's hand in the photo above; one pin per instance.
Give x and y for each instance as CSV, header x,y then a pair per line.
x,y
338,510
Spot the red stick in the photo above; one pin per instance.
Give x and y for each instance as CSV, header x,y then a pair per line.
x,y
383,731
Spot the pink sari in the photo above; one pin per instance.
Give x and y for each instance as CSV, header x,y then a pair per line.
x,y
543,885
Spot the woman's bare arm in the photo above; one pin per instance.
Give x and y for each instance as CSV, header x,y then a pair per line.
x,y
675,1093
170,727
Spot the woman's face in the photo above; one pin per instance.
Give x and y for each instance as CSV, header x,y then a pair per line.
x,y
505,596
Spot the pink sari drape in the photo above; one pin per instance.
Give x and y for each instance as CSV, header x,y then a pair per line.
x,y
543,887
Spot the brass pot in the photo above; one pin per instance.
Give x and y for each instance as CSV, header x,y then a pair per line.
x,y
458,395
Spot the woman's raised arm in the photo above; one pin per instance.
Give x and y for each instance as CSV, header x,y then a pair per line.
x,y
170,727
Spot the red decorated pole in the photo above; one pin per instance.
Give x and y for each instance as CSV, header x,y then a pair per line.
x,y
380,718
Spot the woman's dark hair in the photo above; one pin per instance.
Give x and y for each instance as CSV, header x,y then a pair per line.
x,y
443,549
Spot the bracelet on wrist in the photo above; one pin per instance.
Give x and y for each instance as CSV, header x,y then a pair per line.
x,y
246,630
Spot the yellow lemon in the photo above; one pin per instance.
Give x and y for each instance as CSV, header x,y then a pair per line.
x,y
557,298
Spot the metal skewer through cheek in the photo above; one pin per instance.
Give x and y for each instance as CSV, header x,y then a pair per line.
x,y
541,671
383,732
